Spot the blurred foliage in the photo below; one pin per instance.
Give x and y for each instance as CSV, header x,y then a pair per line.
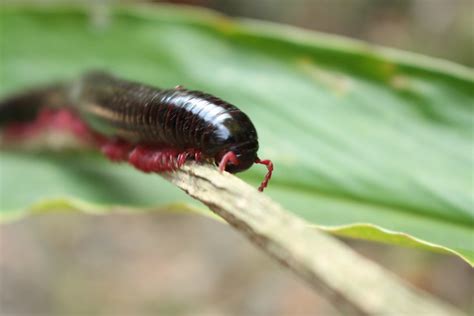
x,y
441,28
434,27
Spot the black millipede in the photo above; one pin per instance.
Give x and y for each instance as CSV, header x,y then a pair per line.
x,y
154,129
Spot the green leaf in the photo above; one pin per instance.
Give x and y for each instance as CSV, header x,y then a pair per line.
x,y
367,142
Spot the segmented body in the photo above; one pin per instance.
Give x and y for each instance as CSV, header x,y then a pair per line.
x,y
177,118
159,129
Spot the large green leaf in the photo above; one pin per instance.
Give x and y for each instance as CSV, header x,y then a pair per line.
x,y
367,142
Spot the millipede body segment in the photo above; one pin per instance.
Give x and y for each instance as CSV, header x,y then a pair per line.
x,y
154,129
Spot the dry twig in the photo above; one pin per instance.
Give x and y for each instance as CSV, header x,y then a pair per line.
x,y
352,283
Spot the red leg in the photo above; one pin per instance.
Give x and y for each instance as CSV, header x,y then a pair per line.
x,y
229,156
116,150
64,119
158,159
268,176
149,159
197,155
50,119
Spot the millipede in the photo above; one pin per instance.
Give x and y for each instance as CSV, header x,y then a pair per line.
x,y
155,130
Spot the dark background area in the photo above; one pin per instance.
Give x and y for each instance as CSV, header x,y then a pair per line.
x,y
182,264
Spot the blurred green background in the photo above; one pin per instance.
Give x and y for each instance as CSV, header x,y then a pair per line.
x,y
439,28
186,265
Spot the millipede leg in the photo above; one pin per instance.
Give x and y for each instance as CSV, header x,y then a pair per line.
x,y
49,119
157,159
268,176
228,157
116,150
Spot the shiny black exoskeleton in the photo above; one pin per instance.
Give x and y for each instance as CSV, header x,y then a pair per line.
x,y
177,118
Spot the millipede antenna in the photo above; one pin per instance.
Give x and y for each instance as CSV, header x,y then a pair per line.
x,y
268,176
